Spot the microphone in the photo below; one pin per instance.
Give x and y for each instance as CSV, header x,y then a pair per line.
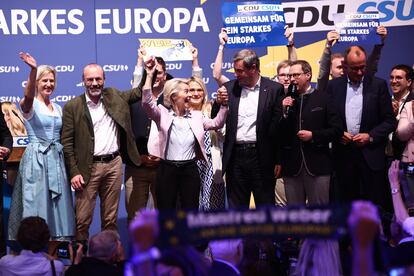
x,y
292,92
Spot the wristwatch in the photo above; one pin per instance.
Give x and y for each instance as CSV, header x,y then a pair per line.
x,y
395,191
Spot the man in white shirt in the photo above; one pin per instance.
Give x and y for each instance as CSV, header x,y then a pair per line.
x,y
249,155
97,137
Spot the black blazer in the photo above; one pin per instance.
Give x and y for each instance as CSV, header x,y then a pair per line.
x,y
269,95
377,118
319,116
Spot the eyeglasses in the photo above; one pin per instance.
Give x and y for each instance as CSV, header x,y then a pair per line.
x,y
295,75
284,76
397,78
357,68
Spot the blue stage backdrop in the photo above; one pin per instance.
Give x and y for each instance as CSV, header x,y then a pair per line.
x,y
70,34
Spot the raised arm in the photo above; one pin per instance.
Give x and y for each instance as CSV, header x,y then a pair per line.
x,y
143,232
218,63
29,91
363,223
148,103
138,68
325,62
292,55
400,211
197,71
218,121
375,55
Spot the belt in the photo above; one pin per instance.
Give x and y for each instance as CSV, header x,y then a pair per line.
x,y
246,146
179,164
105,157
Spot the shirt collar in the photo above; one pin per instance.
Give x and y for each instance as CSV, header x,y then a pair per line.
x,y
256,86
90,102
186,115
309,90
355,84
404,97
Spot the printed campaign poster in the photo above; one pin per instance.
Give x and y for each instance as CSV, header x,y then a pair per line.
x,y
254,24
358,28
168,49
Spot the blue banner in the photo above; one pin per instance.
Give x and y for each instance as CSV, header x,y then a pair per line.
x,y
181,227
358,28
254,24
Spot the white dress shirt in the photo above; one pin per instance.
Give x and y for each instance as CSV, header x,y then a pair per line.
x,y
181,141
247,114
353,107
104,128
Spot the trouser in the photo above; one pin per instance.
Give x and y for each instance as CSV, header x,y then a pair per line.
x,y
314,189
356,180
178,179
105,181
139,181
245,176
280,194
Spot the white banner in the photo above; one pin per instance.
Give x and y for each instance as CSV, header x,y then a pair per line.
x,y
312,16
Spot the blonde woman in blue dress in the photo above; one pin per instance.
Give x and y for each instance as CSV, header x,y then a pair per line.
x,y
42,188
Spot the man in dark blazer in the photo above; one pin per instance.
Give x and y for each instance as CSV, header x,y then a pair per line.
x,y
6,143
249,148
308,124
364,105
97,137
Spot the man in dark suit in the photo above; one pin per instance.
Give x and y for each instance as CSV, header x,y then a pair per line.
x,y
139,181
364,105
6,143
249,149
308,124
97,137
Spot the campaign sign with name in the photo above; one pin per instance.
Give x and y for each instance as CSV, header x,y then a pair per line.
x,y
168,49
183,227
358,28
254,24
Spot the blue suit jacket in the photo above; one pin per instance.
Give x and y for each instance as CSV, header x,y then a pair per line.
x,y
377,118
